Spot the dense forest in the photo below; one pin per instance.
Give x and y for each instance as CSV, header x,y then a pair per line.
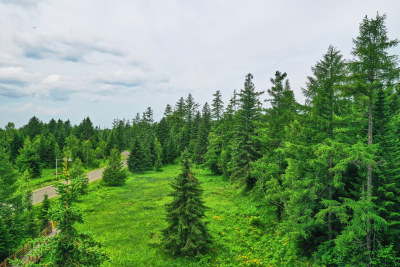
x,y
328,170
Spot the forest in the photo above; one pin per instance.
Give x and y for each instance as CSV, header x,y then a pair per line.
x,y
319,179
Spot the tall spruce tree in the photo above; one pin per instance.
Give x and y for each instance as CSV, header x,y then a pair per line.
x,y
186,234
324,92
271,167
372,68
246,146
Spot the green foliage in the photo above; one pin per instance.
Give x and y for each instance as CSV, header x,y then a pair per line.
x,y
44,217
114,174
245,147
139,159
201,142
217,106
186,234
158,155
5,239
77,171
29,159
69,247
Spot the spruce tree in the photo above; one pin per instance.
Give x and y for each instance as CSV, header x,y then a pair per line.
x,y
201,144
29,159
245,148
158,154
77,171
217,106
186,234
114,174
138,160
372,68
44,213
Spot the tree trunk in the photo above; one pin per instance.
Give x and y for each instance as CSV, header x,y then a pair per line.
x,y
369,175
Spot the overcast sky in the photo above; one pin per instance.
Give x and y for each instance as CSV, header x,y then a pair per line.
x,y
111,59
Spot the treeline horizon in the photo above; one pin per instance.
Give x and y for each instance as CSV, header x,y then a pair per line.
x,y
328,170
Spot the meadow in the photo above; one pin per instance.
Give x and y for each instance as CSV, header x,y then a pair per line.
x,y
128,220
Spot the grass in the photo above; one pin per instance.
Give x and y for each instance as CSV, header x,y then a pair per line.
x,y
48,176
129,220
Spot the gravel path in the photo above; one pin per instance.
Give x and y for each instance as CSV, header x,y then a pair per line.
x,y
38,195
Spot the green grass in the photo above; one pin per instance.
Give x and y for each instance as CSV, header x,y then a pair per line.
x,y
48,176
129,220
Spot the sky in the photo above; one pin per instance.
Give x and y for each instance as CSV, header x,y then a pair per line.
x,y
112,59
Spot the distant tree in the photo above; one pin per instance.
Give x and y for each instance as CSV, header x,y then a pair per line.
x,y
138,160
46,150
72,147
16,144
217,106
52,127
34,127
85,129
29,159
158,155
168,110
111,143
87,153
202,135
186,234
169,150
114,174
77,172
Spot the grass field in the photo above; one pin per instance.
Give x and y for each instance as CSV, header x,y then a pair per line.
x,y
129,220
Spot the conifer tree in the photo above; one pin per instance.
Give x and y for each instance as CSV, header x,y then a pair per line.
x,y
70,247
372,68
245,147
77,171
138,160
29,159
114,174
34,127
186,234
158,155
202,135
217,106
271,167
44,213
324,93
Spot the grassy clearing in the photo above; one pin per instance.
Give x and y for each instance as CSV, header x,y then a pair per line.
x,y
129,220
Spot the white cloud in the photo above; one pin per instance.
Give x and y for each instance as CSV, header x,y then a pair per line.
x,y
68,47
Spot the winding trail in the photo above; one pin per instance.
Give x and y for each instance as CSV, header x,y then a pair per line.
x,y
38,194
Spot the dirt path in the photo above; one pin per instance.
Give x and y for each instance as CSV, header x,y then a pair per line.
x,y
38,195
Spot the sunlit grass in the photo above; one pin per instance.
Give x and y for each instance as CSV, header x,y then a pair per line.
x,y
129,220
